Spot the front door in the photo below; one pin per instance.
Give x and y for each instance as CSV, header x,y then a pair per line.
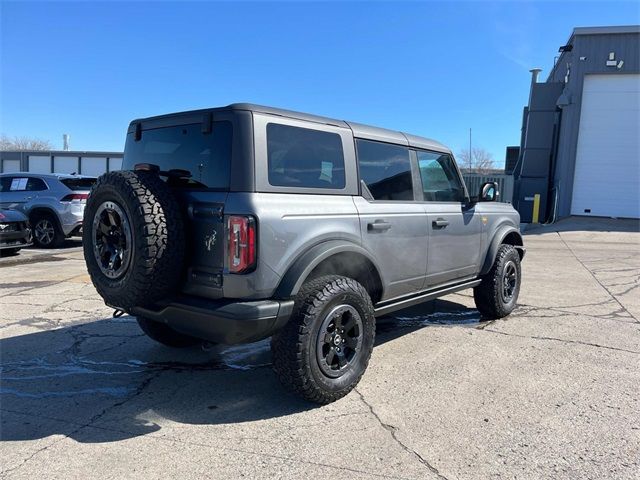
x,y
455,229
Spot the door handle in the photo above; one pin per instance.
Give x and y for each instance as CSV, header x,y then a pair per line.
x,y
378,226
440,223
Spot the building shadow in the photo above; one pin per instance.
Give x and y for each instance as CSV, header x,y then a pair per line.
x,y
586,224
109,376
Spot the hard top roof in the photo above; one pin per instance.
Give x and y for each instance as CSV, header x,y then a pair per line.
x,y
359,130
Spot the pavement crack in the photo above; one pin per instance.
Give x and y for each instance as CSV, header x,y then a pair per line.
x,y
393,432
595,278
562,340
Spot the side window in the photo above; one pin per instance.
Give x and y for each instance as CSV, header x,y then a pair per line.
x,y
303,157
440,179
386,170
5,184
16,184
36,184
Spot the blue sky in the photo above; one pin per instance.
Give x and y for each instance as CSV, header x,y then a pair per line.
x,y
430,68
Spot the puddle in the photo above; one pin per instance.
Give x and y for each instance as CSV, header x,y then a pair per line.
x,y
466,317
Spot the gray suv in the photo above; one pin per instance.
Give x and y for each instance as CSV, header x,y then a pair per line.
x,y
54,203
234,224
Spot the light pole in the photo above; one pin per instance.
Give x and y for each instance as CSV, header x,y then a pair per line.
x,y
470,154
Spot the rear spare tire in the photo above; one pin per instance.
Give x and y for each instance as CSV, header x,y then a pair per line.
x,y
133,239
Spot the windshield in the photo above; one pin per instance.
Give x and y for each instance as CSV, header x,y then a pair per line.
x,y
78,183
207,156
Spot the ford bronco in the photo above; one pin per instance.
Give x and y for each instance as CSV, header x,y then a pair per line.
x,y
234,224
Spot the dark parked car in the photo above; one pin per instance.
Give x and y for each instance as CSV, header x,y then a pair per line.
x,y
15,232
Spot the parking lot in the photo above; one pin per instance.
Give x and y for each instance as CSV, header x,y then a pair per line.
x,y
552,391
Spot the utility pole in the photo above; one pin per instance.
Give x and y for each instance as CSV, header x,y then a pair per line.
x,y
470,152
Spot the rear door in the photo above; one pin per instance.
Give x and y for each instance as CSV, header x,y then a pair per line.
x,y
392,223
454,227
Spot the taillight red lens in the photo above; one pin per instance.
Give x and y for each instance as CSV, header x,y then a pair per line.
x,y
241,235
77,197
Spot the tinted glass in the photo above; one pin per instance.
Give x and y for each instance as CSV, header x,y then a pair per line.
x,y
185,147
14,184
5,184
302,157
440,179
79,183
386,170
36,185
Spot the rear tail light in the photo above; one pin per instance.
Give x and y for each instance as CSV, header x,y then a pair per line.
x,y
76,197
241,235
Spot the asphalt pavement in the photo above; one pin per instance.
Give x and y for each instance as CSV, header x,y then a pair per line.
x,y
552,391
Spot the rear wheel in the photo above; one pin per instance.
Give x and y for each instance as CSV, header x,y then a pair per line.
x,y
166,335
497,295
46,232
324,349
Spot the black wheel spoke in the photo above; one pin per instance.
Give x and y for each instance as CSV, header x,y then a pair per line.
x,y
330,356
351,342
350,323
342,359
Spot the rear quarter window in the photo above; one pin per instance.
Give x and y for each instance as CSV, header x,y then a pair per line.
x,y
304,157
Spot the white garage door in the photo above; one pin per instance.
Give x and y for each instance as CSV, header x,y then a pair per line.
x,y
607,171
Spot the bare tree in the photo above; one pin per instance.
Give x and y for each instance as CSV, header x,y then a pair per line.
x,y
24,143
480,161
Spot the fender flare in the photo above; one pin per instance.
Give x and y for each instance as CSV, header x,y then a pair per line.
x,y
300,269
498,239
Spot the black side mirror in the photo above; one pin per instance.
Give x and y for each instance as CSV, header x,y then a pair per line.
x,y
489,192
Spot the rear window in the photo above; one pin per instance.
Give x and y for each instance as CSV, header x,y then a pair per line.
x,y
386,170
207,156
303,157
78,183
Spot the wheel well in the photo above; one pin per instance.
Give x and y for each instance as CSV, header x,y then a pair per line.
x,y
43,211
352,265
514,238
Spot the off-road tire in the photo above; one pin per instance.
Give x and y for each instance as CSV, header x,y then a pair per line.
x,y
294,346
488,295
58,235
166,335
158,239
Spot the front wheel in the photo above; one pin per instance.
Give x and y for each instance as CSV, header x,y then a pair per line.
x,y
324,349
497,295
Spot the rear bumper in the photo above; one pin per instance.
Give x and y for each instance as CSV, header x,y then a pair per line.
x,y
15,239
221,321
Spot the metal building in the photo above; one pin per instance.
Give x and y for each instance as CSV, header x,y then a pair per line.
x,y
82,163
579,149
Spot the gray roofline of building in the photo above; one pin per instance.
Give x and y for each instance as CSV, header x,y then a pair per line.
x,y
67,153
615,29
605,30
